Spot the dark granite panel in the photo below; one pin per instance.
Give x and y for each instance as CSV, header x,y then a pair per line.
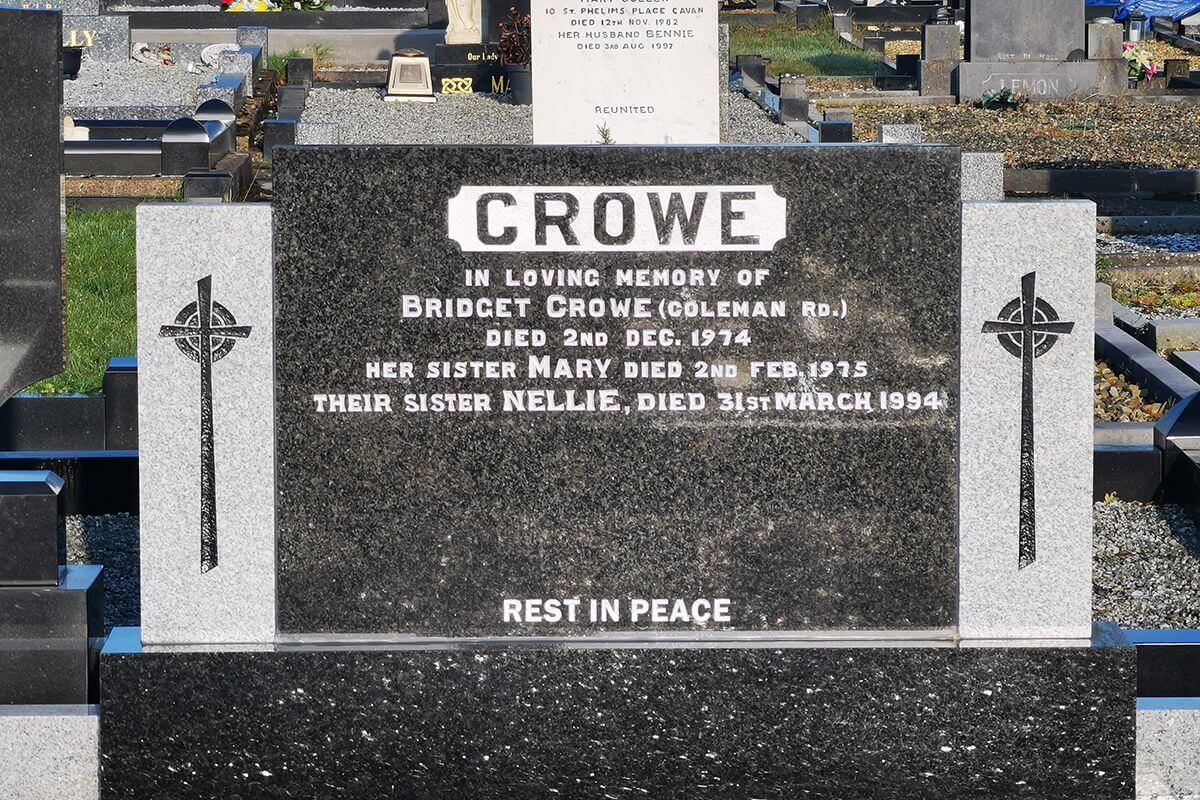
x,y
31,541
668,724
64,422
48,637
31,222
424,523
121,403
1168,670
97,481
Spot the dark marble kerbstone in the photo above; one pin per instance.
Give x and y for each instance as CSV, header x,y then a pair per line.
x,y
31,209
30,536
668,724
48,639
424,523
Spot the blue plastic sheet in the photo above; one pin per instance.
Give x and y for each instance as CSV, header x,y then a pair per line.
x,y
1175,9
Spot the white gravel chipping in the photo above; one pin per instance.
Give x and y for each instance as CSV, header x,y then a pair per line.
x,y
363,118
120,83
1146,567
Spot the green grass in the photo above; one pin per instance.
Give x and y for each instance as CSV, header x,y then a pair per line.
x,y
815,49
322,55
101,299
278,62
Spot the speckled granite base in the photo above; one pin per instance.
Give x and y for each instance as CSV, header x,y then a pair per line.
x,y
1168,754
425,522
668,724
49,752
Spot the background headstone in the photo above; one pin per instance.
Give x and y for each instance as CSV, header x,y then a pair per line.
x,y
32,259
627,82
73,8
188,596
1006,589
982,176
103,38
1024,30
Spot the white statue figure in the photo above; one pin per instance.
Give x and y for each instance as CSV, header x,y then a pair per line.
x,y
464,22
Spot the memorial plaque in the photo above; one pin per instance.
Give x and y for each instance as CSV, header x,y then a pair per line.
x,y
625,73
636,389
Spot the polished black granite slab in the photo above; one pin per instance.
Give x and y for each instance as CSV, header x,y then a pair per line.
x,y
426,523
682,723
31,217
49,637
32,544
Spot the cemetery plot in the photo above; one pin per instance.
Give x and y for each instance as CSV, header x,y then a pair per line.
x,y
1055,134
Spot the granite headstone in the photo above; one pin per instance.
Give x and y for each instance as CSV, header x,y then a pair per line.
x,y
576,393
31,206
637,73
1024,30
103,38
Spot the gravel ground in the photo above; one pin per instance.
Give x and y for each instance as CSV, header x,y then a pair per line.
x,y
1118,400
1169,313
1161,51
1146,569
1107,245
477,119
113,542
133,84
1122,135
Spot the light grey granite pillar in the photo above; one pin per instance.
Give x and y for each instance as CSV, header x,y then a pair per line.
x,y
49,752
982,176
207,480
1025,434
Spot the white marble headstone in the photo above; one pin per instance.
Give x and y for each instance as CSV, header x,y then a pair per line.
x,y
207,546
625,73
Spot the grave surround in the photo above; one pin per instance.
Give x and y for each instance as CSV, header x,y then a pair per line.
x,y
401,535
